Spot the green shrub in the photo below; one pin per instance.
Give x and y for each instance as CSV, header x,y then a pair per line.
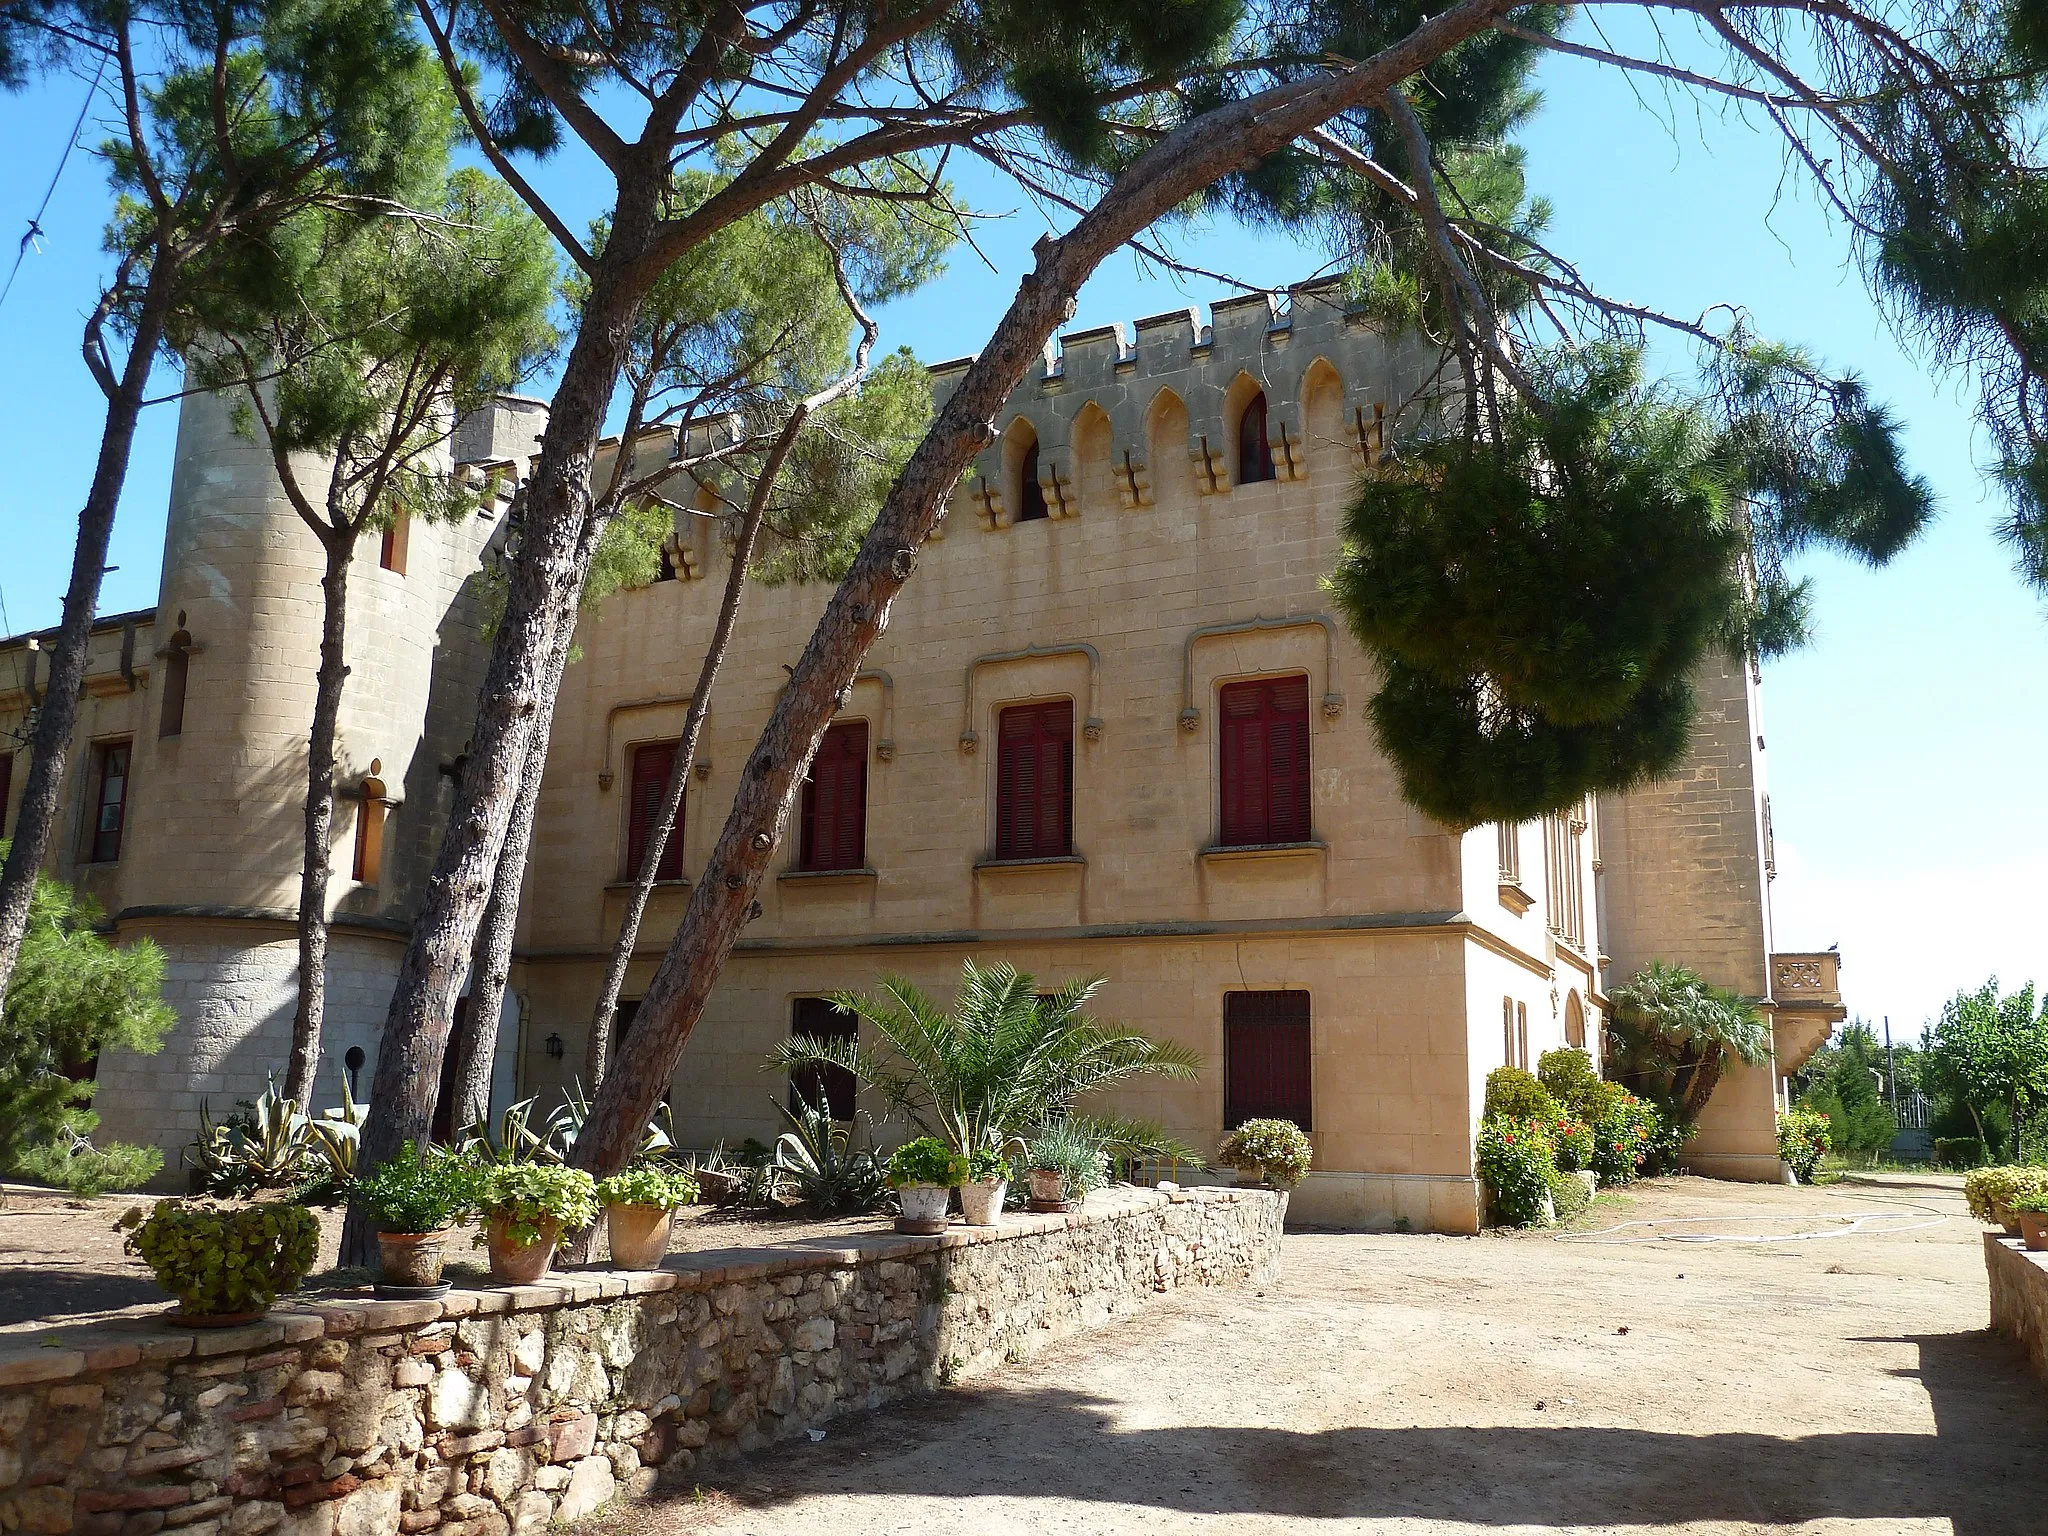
x,y
1571,1143
1516,1162
526,1196
1512,1094
926,1160
1277,1149
1803,1140
415,1193
1569,1076
1666,1139
648,1184
2034,1204
1569,1196
223,1259
1989,1192
1959,1151
1076,1156
88,1170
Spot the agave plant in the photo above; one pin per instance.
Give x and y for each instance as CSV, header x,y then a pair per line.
x,y
1671,1034
262,1147
337,1134
1002,1060
817,1162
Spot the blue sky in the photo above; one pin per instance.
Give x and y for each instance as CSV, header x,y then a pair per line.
x,y
1906,747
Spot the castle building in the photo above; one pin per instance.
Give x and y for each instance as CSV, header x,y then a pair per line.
x,y
1112,728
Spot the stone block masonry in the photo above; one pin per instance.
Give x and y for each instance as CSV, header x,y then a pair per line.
x,y
2019,1296
499,1412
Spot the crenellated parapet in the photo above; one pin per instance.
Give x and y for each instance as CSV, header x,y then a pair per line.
x,y
1139,401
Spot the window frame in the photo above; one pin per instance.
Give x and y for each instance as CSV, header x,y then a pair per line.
x,y
1252,464
1031,503
1235,828
1008,847
395,544
842,1089
1244,1001
637,832
96,832
811,859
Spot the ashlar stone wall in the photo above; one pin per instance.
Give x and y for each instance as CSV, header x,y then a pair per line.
x,y
497,1412
2019,1296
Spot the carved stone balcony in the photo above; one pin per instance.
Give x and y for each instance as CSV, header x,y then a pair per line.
x,y
1806,990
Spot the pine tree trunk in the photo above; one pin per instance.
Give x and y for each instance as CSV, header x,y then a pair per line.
x,y
36,818
1178,166
597,1045
514,710
491,968
316,869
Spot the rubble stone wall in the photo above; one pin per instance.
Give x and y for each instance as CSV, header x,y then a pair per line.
x,y
498,1411
2019,1296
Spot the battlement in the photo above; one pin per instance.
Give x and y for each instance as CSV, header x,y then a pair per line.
x,y
1167,384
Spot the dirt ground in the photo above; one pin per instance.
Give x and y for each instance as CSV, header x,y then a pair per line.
x,y
60,1257
1619,1381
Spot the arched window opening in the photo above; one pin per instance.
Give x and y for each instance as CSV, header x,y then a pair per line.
x,y
177,666
1254,453
1575,1023
368,865
1030,494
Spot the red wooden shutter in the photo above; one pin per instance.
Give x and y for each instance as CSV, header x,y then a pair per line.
x,y
652,764
1262,762
835,804
6,787
1266,1052
814,1018
1035,781
1254,453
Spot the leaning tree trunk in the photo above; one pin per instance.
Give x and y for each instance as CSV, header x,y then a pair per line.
x,y
513,712
316,871
491,968
598,1045
1178,166
1703,1078
35,821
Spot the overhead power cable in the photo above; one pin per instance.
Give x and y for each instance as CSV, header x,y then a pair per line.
x,y
35,223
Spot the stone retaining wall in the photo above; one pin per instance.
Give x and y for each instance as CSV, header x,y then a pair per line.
x,y
2019,1295
495,1412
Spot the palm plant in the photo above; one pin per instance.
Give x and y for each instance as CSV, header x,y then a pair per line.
x,y
1671,1034
1003,1060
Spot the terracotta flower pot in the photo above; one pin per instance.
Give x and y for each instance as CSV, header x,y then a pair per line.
x,y
1048,1186
2034,1229
982,1202
924,1209
638,1234
411,1258
521,1263
2007,1218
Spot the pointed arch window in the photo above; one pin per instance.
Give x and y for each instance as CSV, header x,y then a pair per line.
x,y
1030,494
1254,452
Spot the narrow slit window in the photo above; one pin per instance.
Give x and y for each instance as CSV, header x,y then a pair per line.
x,y
1030,494
1035,781
1266,1054
835,803
1254,452
177,667
391,552
109,801
1263,762
371,810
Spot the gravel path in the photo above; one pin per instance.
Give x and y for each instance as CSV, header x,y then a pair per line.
x,y
1618,1383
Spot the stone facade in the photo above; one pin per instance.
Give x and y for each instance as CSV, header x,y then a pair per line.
x,y
1158,578
494,1412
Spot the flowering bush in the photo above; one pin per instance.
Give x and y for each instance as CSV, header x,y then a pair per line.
x,y
1517,1163
1992,1193
1571,1142
1279,1149
1622,1126
1803,1140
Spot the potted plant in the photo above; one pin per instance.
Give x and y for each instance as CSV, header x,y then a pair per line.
x,y
2032,1211
923,1172
226,1264
1993,1193
1274,1153
526,1207
640,1211
987,1181
415,1201
1066,1165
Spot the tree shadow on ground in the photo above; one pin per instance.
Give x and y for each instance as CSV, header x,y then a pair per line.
x,y
1984,1468
30,1294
